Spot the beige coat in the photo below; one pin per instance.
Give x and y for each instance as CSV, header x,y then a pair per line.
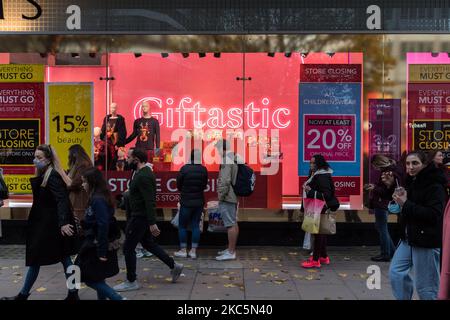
x,y
227,176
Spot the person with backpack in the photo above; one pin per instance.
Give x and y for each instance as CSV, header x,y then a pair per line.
x,y
228,201
191,182
98,254
320,185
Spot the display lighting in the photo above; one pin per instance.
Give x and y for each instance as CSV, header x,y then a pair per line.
x,y
435,54
304,54
164,55
330,54
201,54
76,55
137,54
287,54
216,54
271,54
185,54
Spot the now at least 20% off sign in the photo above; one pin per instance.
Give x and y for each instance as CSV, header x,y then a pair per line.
x,y
333,136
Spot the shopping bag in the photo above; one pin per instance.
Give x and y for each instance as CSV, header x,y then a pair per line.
x,y
308,241
311,220
215,222
328,223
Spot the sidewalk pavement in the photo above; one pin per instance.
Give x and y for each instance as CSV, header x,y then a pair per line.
x,y
259,273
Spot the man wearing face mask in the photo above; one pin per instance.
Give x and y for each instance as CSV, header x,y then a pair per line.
x,y
141,224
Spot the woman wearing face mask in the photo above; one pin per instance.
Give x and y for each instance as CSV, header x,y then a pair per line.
x,y
50,234
98,254
422,205
320,185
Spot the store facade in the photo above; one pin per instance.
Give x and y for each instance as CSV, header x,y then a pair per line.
x,y
282,81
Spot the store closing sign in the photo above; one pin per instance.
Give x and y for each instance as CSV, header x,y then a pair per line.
x,y
428,105
330,121
69,117
22,122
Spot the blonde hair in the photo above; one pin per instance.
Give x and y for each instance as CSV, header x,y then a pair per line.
x,y
381,161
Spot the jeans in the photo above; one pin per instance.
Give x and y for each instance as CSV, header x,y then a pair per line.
x,y
424,262
381,224
138,230
320,246
33,273
190,216
104,291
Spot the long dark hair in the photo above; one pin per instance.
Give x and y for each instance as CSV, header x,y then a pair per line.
x,y
320,162
78,157
97,185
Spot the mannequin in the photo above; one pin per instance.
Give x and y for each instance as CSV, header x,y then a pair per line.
x,y
115,131
146,130
99,149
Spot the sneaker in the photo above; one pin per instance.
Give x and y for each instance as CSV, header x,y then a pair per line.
x,y
222,252
308,264
176,272
226,256
139,254
180,254
193,254
325,261
127,286
146,253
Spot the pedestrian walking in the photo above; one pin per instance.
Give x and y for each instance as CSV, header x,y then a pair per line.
x,y
320,185
422,205
141,225
51,236
379,197
79,161
191,182
228,201
4,192
98,254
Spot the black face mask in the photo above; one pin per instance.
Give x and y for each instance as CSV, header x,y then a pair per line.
x,y
133,166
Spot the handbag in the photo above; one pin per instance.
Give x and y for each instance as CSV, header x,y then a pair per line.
x,y
313,208
92,268
328,223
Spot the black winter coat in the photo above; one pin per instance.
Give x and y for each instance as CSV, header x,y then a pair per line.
x,y
191,182
324,186
422,213
45,245
380,197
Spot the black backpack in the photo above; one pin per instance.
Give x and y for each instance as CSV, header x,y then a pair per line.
x,y
245,181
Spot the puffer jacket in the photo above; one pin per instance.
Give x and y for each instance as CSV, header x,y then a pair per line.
x,y
421,216
191,182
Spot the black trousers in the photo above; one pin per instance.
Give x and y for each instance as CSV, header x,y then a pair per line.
x,y
138,230
320,246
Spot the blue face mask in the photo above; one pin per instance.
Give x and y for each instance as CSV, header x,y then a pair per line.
x,y
40,164
394,207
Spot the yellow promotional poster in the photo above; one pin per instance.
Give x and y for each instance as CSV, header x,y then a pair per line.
x,y
69,117
429,73
18,183
21,73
